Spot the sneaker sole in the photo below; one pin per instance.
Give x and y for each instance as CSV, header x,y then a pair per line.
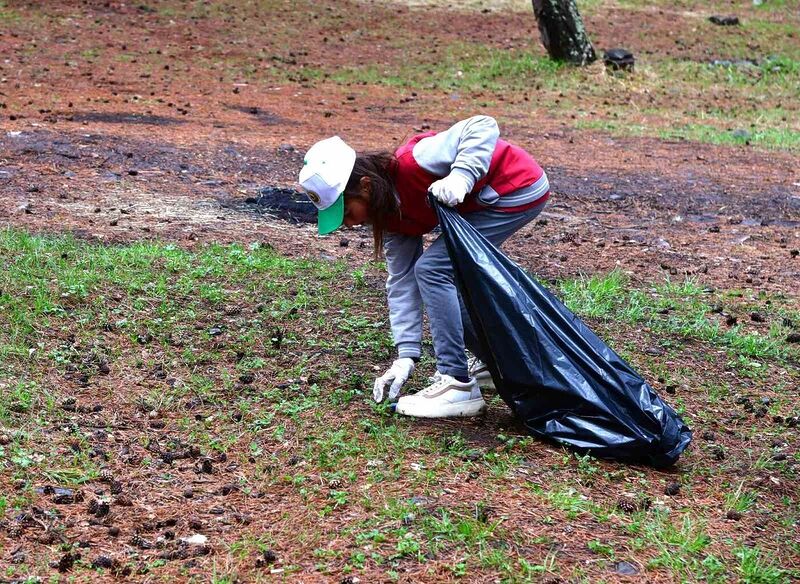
x,y
464,409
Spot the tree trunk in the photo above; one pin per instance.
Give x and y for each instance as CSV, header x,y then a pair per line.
x,y
562,30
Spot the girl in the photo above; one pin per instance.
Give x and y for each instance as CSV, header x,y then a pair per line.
x,y
495,186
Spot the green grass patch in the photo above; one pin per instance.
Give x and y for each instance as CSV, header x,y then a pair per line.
x,y
739,500
462,67
765,92
70,308
757,567
775,5
679,546
571,502
8,15
594,296
769,137
147,290
684,308
777,138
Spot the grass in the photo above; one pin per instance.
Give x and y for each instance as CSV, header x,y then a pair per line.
x,y
8,15
740,501
151,288
680,308
755,567
467,67
466,534
767,137
774,5
758,105
601,549
57,294
679,546
762,116
571,502
188,325
594,296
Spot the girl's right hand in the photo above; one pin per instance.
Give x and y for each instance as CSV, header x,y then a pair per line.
x,y
397,374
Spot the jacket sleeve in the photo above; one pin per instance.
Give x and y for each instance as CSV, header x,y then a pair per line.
x,y
466,148
405,301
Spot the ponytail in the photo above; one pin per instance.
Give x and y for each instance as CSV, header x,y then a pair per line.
x,y
383,203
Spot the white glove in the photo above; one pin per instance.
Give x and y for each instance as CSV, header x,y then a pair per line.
x,y
451,190
398,374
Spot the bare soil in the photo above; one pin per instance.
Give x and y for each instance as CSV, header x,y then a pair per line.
x,y
169,147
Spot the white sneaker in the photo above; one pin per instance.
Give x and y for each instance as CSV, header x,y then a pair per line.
x,y
480,372
445,398
434,378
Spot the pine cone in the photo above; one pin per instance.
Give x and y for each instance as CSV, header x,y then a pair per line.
x,y
47,538
180,553
627,505
140,542
269,557
15,531
67,561
116,487
204,466
102,510
106,476
103,562
94,505
133,460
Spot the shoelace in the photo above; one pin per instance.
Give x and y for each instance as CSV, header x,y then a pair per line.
x,y
473,364
442,381
435,377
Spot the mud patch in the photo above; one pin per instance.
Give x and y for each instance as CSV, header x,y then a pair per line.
x,y
283,203
39,144
697,196
265,117
199,166
124,118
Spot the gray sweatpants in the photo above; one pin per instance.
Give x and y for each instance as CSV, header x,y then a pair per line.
x,y
450,325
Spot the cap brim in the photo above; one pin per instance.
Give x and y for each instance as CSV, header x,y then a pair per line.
x,y
330,219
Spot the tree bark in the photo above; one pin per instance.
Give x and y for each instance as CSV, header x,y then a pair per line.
x,y
562,31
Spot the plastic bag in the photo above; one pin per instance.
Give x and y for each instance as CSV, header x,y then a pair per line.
x,y
558,377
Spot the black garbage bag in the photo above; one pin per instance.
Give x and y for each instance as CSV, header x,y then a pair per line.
x,y
558,377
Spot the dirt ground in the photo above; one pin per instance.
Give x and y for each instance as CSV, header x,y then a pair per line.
x,y
86,148
115,151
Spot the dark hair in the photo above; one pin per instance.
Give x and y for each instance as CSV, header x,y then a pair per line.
x,y
383,203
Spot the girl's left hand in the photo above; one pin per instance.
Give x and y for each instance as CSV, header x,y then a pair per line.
x,y
450,190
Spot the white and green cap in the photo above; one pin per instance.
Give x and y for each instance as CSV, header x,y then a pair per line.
x,y
326,170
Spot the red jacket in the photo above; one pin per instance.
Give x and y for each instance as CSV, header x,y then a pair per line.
x,y
511,169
